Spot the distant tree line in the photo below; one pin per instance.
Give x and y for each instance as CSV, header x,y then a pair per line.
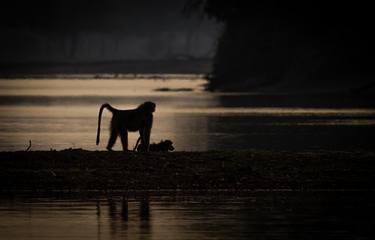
x,y
265,42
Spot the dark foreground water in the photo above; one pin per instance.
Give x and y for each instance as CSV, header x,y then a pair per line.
x,y
260,215
62,113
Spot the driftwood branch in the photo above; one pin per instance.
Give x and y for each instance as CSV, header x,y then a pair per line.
x,y
29,147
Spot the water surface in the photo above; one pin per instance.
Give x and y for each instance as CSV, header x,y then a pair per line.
x,y
62,113
259,215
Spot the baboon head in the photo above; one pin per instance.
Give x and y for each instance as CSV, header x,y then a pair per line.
x,y
148,107
167,145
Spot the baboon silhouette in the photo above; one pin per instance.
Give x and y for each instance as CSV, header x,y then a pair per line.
x,y
162,146
138,119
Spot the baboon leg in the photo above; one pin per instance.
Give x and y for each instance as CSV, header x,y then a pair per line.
x,y
112,140
146,138
142,138
124,140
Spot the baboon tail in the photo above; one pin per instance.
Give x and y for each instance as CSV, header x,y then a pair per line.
x,y
111,109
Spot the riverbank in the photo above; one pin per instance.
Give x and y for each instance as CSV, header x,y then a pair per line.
x,y
81,170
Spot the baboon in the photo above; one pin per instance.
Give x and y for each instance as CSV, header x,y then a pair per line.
x,y
162,146
138,119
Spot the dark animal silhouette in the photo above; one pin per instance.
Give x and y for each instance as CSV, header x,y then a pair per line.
x,y
162,146
138,119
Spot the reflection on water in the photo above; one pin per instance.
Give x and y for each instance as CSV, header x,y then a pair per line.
x,y
260,215
59,114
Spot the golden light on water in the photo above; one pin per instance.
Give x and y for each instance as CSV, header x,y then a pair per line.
x,y
62,113
98,87
92,111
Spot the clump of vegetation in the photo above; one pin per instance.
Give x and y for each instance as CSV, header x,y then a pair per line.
x,y
266,42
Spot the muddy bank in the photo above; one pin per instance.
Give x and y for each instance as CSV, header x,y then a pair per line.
x,y
81,170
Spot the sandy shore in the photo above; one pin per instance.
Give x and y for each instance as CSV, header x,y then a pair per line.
x,y
80,170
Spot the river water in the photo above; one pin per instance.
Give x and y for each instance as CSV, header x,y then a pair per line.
x,y
258,215
62,113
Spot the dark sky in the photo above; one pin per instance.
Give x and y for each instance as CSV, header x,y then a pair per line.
x,y
94,30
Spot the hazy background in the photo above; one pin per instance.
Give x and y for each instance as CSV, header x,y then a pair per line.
x,y
242,45
47,36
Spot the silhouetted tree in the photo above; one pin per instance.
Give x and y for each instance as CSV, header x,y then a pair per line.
x,y
264,42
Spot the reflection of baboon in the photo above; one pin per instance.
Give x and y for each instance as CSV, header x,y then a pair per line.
x,y
162,146
138,119
125,209
144,209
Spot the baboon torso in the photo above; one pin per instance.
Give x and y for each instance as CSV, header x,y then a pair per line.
x,y
130,120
